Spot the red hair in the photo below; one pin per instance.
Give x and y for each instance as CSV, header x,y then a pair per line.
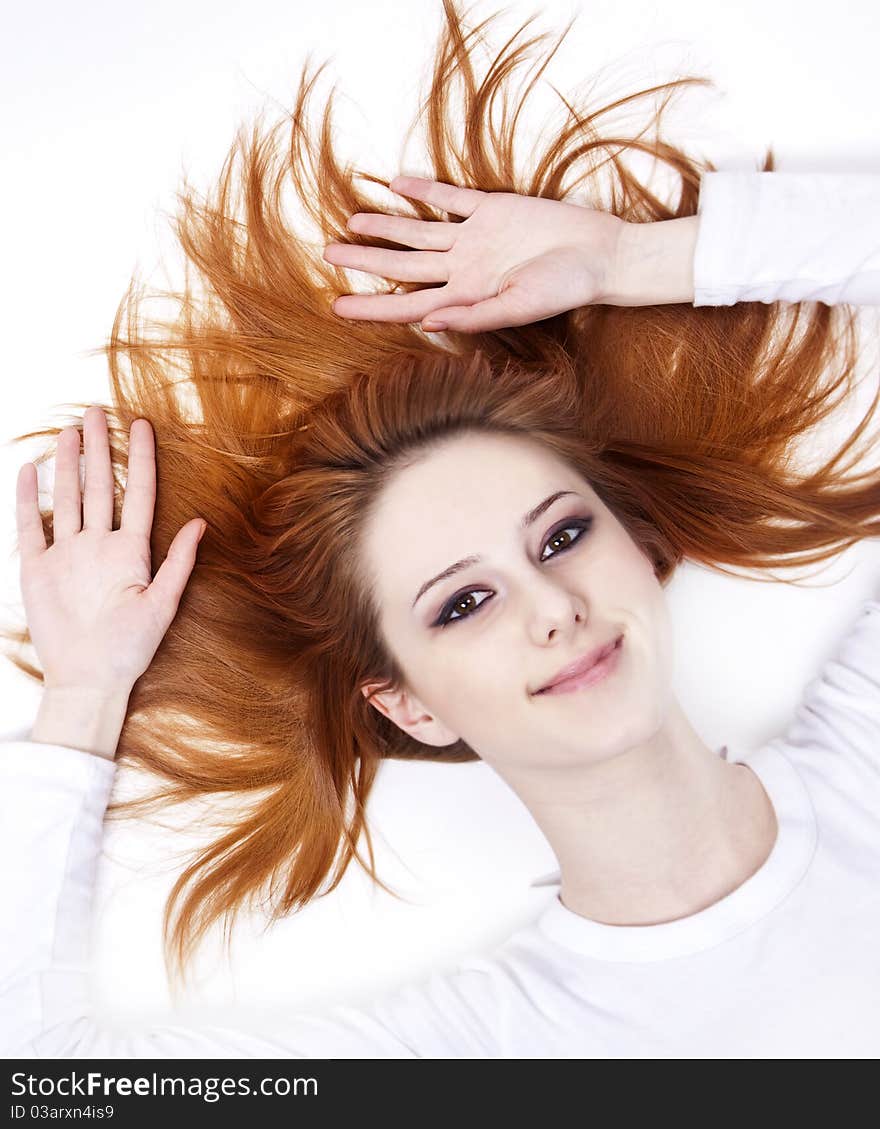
x,y
279,423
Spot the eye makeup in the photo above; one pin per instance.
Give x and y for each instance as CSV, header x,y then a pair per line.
x,y
446,617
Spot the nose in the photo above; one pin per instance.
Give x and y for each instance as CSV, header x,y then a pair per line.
x,y
553,607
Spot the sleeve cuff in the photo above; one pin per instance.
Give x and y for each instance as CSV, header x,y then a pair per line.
x,y
790,237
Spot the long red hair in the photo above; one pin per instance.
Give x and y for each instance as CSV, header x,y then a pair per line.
x,y
279,422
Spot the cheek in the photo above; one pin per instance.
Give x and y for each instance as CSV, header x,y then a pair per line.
x,y
625,560
473,688
628,581
448,682
475,673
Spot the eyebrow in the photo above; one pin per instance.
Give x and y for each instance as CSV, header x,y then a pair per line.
x,y
527,520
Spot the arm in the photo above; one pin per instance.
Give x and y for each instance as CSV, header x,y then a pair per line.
x,y
764,237
789,237
81,719
758,237
654,265
52,803
836,727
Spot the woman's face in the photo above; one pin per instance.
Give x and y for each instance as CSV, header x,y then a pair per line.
x,y
540,596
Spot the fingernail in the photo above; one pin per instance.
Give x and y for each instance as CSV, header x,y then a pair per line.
x,y
434,326
202,530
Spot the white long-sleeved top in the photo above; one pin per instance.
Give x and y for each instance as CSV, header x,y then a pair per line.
x,y
788,237
787,965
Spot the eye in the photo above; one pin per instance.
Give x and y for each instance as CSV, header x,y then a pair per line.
x,y
580,524
463,598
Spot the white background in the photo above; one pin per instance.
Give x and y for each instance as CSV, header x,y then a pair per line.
x,y
105,107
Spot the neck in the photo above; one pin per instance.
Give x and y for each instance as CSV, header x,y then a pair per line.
x,y
656,832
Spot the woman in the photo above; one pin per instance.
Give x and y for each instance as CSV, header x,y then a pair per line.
x,y
423,564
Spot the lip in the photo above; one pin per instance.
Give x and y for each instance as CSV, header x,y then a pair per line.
x,y
591,668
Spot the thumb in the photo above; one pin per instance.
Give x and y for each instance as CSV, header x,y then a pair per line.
x,y
169,582
498,312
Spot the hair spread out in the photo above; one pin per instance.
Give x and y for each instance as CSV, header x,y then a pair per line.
x,y
278,422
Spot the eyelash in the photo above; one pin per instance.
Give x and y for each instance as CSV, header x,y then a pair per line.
x,y
445,617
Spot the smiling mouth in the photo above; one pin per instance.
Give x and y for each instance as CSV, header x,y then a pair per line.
x,y
596,673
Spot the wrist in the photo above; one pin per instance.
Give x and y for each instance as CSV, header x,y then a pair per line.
x,y
653,264
87,719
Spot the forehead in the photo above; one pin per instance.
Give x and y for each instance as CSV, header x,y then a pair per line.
x,y
460,498
466,471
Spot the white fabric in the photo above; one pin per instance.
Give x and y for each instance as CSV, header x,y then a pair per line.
x,y
788,237
787,965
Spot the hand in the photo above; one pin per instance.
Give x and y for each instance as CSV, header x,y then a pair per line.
x,y
95,618
514,260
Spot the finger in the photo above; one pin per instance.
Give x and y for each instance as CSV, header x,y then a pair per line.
x,y
66,497
402,266
169,582
448,197
98,493
427,235
31,539
500,312
399,308
140,487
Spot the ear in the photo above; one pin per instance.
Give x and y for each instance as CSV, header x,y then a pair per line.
x,y
409,714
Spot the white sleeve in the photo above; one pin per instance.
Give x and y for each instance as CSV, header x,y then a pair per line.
x,y
837,723
788,237
52,804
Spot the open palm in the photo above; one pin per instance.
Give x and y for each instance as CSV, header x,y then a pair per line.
x,y
513,260
95,615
